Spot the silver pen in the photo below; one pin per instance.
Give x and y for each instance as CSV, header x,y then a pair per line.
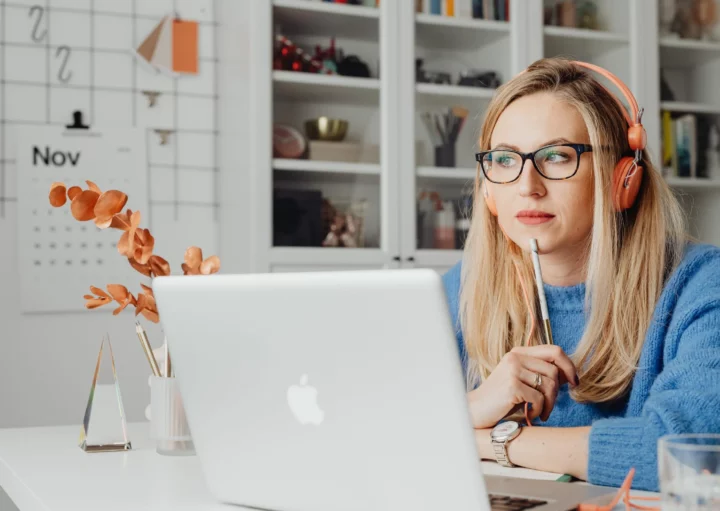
x,y
541,291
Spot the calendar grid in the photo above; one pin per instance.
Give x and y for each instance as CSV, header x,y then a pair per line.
x,y
108,89
176,187
216,141
134,72
48,113
3,161
35,96
92,63
109,51
70,10
148,132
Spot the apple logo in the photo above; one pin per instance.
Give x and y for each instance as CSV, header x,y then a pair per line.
x,y
303,402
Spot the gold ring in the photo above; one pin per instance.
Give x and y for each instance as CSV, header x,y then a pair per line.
x,y
538,381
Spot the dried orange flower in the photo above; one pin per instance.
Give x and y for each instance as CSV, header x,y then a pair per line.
x,y
83,204
121,296
146,305
194,264
136,244
159,266
73,192
122,221
99,300
57,195
107,206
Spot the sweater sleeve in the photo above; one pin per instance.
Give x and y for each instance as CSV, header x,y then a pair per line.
x,y
684,398
451,281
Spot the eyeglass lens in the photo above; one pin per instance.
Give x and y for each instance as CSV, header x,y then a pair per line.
x,y
554,162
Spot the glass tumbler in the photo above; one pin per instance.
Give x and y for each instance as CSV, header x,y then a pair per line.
x,y
169,427
689,472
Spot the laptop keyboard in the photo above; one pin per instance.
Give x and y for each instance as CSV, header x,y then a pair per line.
x,y
504,503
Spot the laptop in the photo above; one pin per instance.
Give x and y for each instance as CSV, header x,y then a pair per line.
x,y
333,390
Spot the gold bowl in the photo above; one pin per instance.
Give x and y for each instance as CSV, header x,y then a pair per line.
x,y
325,128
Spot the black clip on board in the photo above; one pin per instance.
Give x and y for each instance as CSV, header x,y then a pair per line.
x,y
78,126
77,122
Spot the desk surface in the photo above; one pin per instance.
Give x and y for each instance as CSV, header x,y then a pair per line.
x,y
43,469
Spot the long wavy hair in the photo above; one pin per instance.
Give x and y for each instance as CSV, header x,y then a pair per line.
x,y
629,255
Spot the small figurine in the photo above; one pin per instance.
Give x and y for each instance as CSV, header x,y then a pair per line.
x,y
704,15
587,15
666,16
683,23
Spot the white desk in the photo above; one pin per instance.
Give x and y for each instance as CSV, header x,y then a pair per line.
x,y
43,469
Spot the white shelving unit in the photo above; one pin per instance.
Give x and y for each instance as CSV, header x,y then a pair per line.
x,y
690,107
331,167
383,111
314,87
444,173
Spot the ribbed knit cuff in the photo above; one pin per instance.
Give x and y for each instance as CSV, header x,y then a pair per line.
x,y
616,446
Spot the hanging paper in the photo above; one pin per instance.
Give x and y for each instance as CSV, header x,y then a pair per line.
x,y
172,47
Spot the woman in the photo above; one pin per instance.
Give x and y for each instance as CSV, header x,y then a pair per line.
x,y
634,306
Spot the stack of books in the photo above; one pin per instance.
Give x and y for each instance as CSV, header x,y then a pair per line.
x,y
684,145
498,10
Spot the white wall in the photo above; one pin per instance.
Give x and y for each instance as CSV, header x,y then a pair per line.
x,y
47,361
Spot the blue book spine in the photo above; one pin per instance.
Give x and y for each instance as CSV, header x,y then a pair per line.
x,y
500,10
435,6
477,8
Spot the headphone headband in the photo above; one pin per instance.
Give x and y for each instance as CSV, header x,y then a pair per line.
x,y
635,110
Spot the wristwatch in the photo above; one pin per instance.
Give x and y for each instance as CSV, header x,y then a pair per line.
x,y
500,436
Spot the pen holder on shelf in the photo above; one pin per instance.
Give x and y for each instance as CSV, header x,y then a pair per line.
x,y
444,128
169,427
445,155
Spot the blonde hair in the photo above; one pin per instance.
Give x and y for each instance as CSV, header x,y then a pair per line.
x,y
628,256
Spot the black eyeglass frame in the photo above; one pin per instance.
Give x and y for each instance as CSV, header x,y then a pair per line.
x,y
579,149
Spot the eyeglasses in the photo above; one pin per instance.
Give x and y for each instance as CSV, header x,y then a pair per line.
x,y
554,162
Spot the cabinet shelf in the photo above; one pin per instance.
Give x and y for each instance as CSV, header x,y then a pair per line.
x,y
330,167
327,256
446,173
433,92
437,258
690,107
291,85
326,19
584,42
681,53
693,183
448,33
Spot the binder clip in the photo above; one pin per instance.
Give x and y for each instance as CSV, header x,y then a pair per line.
x,y
77,122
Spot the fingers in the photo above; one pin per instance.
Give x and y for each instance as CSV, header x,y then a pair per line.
x,y
548,387
526,394
554,355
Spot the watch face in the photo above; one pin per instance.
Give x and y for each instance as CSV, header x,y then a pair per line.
x,y
505,429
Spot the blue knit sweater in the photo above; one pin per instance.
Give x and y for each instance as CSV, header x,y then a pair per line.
x,y
676,388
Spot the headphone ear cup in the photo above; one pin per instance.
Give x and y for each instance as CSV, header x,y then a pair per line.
x,y
489,201
624,196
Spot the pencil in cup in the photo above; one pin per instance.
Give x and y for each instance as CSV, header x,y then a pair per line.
x,y
444,127
142,335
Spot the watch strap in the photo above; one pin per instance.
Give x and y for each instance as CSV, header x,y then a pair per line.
x,y
501,455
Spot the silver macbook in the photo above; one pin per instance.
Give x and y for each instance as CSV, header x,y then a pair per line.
x,y
338,390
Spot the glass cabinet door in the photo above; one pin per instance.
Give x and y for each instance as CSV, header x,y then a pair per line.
x,y
460,60
328,198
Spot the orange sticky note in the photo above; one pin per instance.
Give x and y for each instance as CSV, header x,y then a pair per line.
x,y
185,46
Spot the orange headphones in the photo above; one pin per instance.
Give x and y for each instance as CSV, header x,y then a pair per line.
x,y
628,172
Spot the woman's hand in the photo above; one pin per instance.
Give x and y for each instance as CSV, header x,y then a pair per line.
x,y
513,380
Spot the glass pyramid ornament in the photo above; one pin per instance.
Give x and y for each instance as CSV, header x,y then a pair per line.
x,y
104,426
